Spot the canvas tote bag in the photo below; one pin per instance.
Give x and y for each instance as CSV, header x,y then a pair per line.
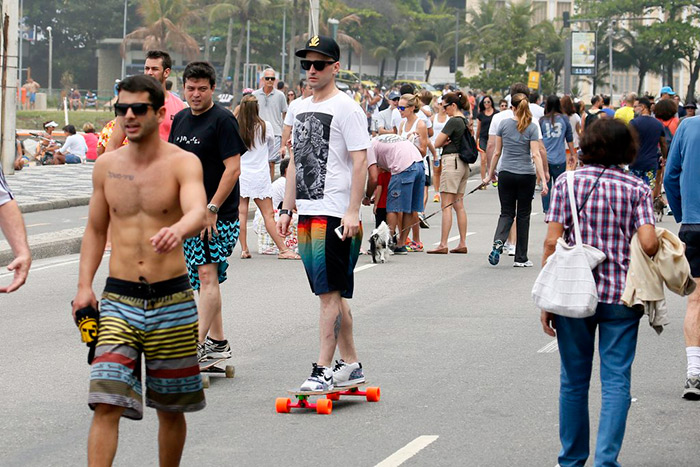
x,y
565,285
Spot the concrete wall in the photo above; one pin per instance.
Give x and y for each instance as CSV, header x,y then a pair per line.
x,y
109,64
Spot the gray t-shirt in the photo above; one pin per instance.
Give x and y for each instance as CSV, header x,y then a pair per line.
x,y
385,119
516,157
272,107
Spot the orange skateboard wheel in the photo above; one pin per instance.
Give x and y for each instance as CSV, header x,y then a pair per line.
x,y
334,396
373,394
324,406
282,405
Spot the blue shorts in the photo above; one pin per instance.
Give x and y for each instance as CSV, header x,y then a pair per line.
x,y
214,251
72,159
406,190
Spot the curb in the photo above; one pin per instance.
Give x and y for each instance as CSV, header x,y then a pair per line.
x,y
56,204
65,246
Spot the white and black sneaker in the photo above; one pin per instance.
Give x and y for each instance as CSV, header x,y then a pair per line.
x,y
347,374
321,379
216,350
201,353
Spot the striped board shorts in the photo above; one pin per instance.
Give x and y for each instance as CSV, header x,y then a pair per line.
x,y
329,262
157,320
214,251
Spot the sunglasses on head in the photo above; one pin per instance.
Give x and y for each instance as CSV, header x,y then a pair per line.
x,y
140,108
269,78
319,65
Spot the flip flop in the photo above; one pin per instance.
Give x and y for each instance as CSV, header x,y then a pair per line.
x,y
245,255
286,255
461,250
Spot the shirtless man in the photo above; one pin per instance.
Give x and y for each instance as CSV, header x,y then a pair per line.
x,y
151,193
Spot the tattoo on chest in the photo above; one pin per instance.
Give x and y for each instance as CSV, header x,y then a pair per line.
x,y
128,177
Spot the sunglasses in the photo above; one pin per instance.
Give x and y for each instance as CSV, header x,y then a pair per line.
x,y
269,78
139,108
319,65
445,106
401,108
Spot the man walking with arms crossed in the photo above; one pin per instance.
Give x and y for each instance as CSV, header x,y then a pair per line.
x,y
683,192
327,175
150,193
211,133
273,109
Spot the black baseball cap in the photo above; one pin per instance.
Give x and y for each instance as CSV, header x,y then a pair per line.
x,y
322,44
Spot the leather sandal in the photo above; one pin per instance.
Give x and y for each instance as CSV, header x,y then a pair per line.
x,y
437,251
460,250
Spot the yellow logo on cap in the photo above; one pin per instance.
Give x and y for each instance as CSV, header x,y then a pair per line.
x,y
314,41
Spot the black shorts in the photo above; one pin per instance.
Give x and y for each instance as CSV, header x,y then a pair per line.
x,y
690,235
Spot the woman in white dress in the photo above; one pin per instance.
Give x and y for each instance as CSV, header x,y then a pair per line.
x,y
255,175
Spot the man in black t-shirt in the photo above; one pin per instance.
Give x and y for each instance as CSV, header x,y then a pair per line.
x,y
211,132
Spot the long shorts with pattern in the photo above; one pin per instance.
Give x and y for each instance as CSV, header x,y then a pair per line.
x,y
158,321
647,176
329,261
214,251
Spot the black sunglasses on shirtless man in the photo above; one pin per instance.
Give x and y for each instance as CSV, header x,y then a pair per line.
x,y
139,108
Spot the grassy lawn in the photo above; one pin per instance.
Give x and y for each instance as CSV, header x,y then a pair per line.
x,y
34,119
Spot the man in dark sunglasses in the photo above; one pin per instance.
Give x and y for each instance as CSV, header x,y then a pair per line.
x,y
329,165
150,194
272,106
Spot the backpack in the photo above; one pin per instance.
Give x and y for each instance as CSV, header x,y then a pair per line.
x,y
468,152
591,117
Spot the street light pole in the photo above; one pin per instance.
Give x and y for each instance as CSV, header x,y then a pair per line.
x,y
124,37
48,28
456,45
610,58
284,42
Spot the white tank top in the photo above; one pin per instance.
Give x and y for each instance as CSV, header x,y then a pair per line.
x,y
415,138
438,126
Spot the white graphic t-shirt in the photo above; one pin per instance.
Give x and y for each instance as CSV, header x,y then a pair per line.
x,y
324,133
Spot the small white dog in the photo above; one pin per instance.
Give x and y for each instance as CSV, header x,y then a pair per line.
x,y
379,243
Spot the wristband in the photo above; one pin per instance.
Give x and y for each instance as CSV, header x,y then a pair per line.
x,y
285,211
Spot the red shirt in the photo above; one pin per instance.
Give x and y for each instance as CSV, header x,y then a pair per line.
x,y
383,181
172,106
91,141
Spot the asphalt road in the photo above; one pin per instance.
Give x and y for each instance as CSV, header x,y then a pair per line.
x,y
454,343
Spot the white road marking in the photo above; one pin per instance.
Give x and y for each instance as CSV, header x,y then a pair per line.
x,y
49,266
362,268
38,225
456,237
549,348
408,451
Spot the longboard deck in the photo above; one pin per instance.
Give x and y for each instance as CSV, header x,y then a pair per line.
x,y
323,393
206,365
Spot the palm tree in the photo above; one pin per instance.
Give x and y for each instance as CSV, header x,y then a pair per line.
x,y
381,53
550,41
241,10
437,40
639,51
165,27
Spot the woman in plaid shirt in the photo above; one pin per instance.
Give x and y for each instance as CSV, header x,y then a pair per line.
x,y
613,206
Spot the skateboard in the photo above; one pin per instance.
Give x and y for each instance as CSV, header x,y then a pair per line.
x,y
210,366
325,406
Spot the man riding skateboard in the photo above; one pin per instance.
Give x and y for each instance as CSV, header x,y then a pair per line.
x,y
329,167
151,194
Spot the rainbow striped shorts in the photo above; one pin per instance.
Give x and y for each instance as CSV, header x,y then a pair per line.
x,y
329,262
159,321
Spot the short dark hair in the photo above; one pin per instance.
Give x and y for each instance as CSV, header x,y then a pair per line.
x,y
199,70
70,129
168,85
534,96
665,109
165,56
280,85
646,102
606,100
144,83
407,88
519,88
608,141
595,99
284,163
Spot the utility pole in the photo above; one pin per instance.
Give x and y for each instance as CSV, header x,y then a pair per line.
x,y
567,54
21,30
284,41
10,21
610,58
48,29
314,14
124,37
456,44
246,72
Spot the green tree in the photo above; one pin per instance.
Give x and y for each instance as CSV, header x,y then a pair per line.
x,y
165,26
640,50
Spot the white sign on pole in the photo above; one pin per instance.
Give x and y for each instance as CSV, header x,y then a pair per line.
x,y
583,53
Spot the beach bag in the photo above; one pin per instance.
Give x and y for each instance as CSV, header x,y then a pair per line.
x,y
565,285
266,246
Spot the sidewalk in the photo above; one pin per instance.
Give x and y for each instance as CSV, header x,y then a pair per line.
x,y
41,188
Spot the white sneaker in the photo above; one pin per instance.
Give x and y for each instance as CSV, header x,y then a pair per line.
x,y
321,379
526,264
345,374
510,249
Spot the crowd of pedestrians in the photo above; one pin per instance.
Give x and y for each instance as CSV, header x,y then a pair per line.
x,y
383,148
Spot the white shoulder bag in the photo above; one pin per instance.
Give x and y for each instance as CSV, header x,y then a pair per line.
x,y
565,285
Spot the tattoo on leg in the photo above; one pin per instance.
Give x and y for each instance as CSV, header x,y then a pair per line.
x,y
336,328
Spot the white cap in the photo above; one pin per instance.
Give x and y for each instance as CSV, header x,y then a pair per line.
x,y
51,123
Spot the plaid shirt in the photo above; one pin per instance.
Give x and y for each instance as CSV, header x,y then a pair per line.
x,y
616,208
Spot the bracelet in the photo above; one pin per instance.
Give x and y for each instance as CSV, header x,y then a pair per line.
x,y
285,211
